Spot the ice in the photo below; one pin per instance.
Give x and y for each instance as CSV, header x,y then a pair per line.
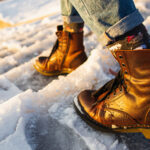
x,y
67,116
7,89
16,141
48,133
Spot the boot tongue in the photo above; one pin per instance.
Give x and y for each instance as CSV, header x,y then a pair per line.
x,y
60,28
59,31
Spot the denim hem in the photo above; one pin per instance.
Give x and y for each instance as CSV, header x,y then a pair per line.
x,y
72,19
121,27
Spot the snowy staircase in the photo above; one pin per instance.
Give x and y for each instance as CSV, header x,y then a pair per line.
x,y
38,110
21,86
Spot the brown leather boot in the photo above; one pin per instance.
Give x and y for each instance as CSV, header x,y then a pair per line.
x,y
122,104
67,54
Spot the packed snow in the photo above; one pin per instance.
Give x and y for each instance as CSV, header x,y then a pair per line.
x,y
36,112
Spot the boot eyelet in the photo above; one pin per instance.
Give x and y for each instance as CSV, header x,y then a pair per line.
x,y
126,72
120,56
123,65
126,87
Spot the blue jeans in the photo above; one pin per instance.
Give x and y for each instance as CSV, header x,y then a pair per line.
x,y
107,18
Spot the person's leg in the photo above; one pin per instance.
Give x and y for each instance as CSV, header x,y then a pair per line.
x,y
68,52
71,19
69,13
122,104
113,17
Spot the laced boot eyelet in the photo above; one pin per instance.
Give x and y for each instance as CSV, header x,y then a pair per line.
x,y
121,89
126,72
120,56
126,88
123,65
108,97
58,34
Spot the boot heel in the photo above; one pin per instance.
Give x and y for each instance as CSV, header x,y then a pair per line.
x,y
145,132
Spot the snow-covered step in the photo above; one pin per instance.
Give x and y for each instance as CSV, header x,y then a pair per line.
x,y
6,52
26,77
46,119
25,106
65,114
41,31
25,54
23,44
16,140
7,89
13,116
49,134
27,31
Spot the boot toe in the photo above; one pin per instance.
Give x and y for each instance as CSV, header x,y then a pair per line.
x,y
86,100
40,63
42,59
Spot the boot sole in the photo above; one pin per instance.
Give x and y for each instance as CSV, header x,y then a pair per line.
x,y
62,72
80,110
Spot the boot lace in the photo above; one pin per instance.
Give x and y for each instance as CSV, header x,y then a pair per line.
x,y
111,86
56,45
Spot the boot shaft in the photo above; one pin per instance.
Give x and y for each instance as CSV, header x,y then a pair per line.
x,y
134,63
135,66
132,51
76,43
75,54
71,40
70,48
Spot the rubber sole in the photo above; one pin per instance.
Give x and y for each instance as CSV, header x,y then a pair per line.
x,y
63,72
98,126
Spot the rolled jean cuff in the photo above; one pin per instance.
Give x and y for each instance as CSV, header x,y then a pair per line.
x,y
72,19
121,27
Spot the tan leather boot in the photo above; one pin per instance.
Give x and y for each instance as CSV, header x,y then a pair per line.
x,y
122,104
67,54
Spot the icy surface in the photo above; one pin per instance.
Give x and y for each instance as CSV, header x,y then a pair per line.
x,y
36,112
7,87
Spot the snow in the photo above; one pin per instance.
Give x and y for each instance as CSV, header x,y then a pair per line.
x,y
37,112
7,87
26,10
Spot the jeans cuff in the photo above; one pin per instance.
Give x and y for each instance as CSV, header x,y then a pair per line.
x,y
72,19
121,27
